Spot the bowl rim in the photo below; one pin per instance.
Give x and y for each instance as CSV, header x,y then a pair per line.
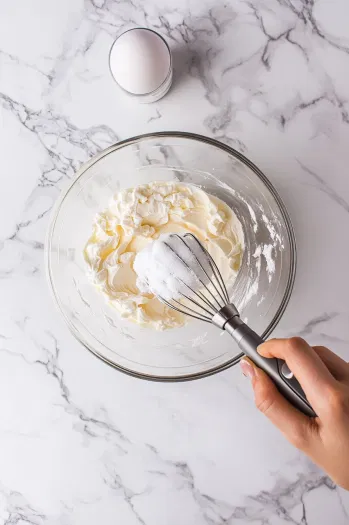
x,y
206,140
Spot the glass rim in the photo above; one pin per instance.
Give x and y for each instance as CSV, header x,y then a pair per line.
x,y
231,151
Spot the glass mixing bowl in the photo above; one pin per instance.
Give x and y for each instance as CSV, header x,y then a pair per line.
x,y
261,290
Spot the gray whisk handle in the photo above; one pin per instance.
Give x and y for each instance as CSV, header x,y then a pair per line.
x,y
277,369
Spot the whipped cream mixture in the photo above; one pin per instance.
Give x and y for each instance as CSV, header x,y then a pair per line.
x,y
172,267
137,216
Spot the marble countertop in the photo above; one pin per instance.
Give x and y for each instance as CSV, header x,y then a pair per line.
x,y
79,442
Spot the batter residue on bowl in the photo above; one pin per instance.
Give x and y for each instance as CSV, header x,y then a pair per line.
x,y
137,216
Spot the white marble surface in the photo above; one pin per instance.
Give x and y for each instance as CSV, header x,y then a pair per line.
x,y
79,442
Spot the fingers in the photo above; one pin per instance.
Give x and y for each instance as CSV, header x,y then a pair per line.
x,y
298,428
312,373
336,365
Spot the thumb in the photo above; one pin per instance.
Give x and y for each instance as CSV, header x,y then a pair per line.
x,y
297,427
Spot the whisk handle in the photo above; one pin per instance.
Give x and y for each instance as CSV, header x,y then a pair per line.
x,y
277,369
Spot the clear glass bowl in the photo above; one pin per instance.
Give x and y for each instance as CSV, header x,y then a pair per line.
x,y
263,285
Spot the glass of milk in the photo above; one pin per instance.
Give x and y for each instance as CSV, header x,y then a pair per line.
x,y
141,64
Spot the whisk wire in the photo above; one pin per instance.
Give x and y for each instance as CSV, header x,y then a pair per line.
x,y
201,266
194,314
190,269
195,302
190,299
214,268
201,299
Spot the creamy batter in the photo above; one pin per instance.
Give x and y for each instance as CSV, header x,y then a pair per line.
x,y
137,216
172,266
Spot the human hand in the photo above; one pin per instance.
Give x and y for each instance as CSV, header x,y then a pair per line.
x,y
324,377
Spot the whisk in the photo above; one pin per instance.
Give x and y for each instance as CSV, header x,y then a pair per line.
x,y
208,300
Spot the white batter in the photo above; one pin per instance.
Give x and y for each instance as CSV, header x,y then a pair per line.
x,y
137,216
172,266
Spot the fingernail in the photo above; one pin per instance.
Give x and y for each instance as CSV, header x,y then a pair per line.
x,y
247,367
